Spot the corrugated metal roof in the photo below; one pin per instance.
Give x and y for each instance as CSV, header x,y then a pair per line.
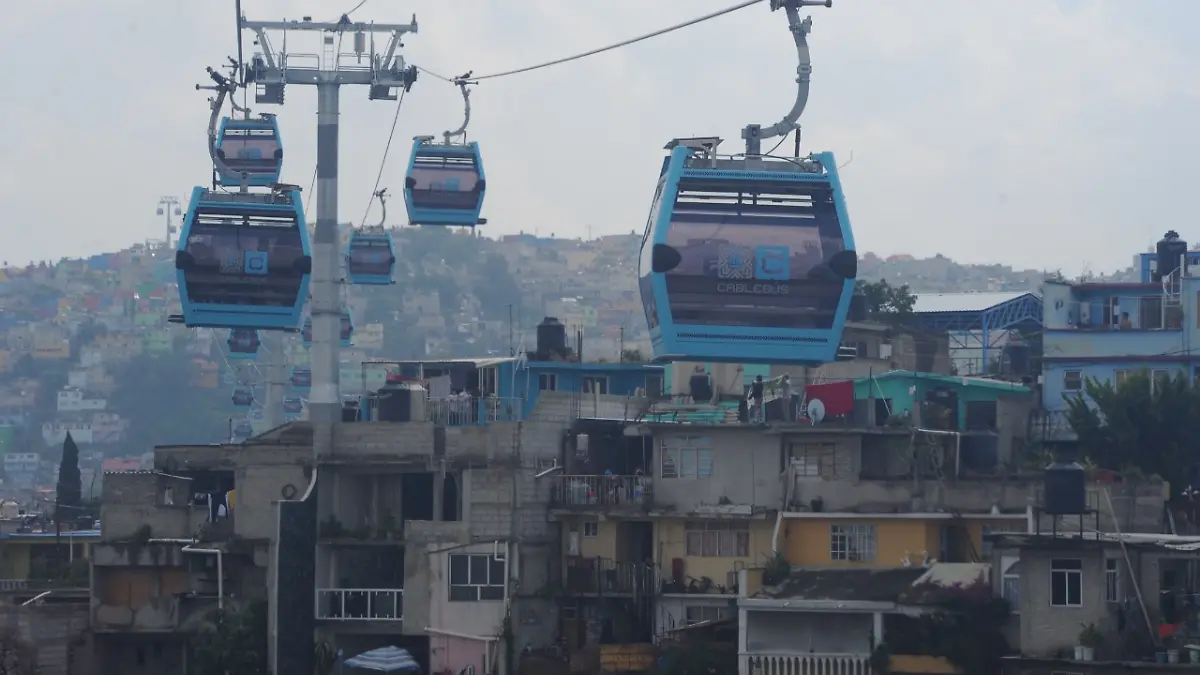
x,y
931,303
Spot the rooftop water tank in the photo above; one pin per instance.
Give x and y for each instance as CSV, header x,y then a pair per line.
x,y
401,402
1065,484
551,338
1168,253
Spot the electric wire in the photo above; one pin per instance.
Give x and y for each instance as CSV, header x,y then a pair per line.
x,y
383,162
601,50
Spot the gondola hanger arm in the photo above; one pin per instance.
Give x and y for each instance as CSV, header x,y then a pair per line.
x,y
463,81
754,134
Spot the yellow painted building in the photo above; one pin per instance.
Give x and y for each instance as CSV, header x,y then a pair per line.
x,y
711,548
886,540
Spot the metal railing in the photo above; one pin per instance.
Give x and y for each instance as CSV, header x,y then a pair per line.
x,y
601,491
1051,425
458,412
807,664
360,604
593,574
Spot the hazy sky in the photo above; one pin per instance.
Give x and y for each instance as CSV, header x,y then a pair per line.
x,y
1044,133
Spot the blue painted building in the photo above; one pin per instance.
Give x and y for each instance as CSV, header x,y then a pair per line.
x,y
1107,331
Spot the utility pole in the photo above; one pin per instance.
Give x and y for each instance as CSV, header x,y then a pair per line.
x,y
270,71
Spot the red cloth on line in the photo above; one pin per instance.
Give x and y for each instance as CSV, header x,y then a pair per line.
x,y
838,397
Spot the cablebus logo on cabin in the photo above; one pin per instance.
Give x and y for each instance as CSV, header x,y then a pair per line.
x,y
743,269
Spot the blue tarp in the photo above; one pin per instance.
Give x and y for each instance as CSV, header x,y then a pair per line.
x,y
384,660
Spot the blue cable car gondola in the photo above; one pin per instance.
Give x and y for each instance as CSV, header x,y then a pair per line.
x,y
243,260
445,182
301,378
243,397
293,405
251,148
243,343
751,257
371,258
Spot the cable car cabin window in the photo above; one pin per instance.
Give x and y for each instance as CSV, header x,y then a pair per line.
x,y
251,150
243,260
370,257
754,259
444,182
645,261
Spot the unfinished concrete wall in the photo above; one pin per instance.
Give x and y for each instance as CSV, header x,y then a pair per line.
x,y
54,632
258,488
135,500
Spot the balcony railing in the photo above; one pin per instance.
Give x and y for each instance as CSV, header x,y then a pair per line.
x,y
460,412
599,492
588,575
360,604
807,664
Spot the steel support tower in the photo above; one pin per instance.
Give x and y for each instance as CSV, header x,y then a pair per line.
x,y
384,73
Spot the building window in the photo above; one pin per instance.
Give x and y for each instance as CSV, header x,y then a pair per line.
x,y
1112,580
1010,580
591,529
1072,380
595,384
548,382
852,543
813,460
476,577
1066,582
718,538
1156,376
1120,377
697,613
1150,311
686,457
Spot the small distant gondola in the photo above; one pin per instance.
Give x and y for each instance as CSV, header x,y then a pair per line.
x,y
243,343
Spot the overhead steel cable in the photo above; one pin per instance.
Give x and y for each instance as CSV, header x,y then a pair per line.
x,y
601,50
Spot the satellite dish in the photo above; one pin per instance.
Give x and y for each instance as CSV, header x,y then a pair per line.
x,y
816,410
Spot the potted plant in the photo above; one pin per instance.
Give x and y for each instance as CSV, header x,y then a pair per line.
x,y
1089,639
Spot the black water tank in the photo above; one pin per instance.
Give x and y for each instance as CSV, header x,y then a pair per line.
x,y
551,338
350,411
1168,252
395,402
1065,489
858,307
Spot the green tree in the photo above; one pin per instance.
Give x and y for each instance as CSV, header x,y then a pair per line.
x,y
633,355
1139,425
69,490
232,641
886,302
496,288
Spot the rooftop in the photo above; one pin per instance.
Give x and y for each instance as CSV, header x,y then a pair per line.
x,y
930,303
854,585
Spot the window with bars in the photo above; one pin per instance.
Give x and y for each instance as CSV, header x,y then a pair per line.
x,y
852,543
718,538
476,577
686,456
698,613
814,460
1112,580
